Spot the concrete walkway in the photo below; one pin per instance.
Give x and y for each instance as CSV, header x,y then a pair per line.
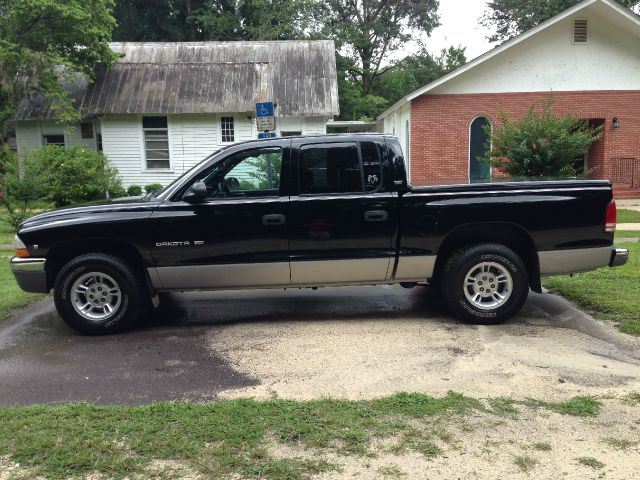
x,y
634,227
629,204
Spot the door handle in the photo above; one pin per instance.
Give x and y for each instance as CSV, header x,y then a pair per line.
x,y
274,219
376,215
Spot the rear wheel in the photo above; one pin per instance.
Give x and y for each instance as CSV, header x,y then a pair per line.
x,y
98,294
485,283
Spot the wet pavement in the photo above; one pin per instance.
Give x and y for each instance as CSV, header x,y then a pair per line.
x,y
174,355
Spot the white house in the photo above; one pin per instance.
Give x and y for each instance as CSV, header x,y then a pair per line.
x,y
165,106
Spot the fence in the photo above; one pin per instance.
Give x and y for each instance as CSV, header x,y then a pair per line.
x,y
626,171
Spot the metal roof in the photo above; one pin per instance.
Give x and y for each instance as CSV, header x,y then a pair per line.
x,y
209,77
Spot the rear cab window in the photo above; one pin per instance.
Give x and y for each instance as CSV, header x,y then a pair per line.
x,y
341,167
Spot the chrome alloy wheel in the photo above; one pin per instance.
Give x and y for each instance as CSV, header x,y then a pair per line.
x,y
95,296
488,285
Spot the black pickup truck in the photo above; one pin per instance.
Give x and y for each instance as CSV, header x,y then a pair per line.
x,y
315,211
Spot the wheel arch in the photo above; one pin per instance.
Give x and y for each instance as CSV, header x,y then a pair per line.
x,y
510,235
63,252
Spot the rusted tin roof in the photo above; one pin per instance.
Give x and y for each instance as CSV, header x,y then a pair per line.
x,y
210,77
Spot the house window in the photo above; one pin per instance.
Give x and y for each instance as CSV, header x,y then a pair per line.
x,y
86,130
290,134
53,140
227,127
99,142
156,142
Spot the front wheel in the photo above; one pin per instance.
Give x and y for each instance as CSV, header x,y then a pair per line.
x,y
485,283
98,294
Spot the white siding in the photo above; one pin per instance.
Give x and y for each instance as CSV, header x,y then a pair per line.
x,y
28,136
122,144
550,61
74,137
396,124
315,126
191,139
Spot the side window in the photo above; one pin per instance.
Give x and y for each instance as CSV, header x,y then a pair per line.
x,y
228,129
329,168
250,173
53,140
372,165
156,142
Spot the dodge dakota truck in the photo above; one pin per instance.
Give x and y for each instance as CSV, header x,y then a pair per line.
x,y
314,211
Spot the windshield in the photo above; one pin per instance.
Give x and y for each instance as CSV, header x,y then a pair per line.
x,y
184,174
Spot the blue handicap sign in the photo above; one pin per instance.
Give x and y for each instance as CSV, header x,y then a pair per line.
x,y
264,109
266,135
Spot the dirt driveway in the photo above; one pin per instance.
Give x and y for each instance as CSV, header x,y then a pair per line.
x,y
338,349
360,343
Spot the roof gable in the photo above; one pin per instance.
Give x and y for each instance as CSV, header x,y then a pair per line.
x,y
621,17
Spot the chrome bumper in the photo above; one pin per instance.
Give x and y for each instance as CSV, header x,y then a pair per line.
x,y
619,256
562,262
30,274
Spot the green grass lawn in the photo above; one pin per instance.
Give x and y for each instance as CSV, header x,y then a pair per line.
x,y
11,296
237,438
608,293
628,216
6,231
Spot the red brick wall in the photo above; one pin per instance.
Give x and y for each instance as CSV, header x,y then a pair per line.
x,y
440,128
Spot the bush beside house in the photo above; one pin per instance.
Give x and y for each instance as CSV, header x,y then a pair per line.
x,y
62,176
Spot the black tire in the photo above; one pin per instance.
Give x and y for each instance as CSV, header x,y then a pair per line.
x,y
131,295
454,283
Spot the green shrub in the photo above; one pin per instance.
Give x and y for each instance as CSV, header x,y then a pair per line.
x,y
152,187
22,183
134,191
541,144
118,192
76,174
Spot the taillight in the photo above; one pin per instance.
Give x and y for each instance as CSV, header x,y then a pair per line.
x,y
610,218
21,248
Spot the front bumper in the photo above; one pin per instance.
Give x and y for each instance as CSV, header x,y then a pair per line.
x,y
30,274
619,256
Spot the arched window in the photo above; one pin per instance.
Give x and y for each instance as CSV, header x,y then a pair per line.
x,y
478,140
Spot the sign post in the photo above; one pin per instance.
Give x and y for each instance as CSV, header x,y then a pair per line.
x,y
265,120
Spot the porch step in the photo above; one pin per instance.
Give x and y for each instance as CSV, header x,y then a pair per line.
x,y
621,192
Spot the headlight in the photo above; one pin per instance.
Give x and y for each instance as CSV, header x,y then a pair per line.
x,y
21,248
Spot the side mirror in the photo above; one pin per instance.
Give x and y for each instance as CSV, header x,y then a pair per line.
x,y
196,193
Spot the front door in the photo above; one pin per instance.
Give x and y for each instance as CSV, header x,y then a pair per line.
x,y
342,222
237,237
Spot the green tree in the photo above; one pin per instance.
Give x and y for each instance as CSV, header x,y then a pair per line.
x,y
541,144
368,32
44,43
512,17
193,20
414,71
156,21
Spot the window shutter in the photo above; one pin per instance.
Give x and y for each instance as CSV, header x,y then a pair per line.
x,y
580,31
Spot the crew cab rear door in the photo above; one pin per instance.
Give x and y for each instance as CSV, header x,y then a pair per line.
x,y
342,220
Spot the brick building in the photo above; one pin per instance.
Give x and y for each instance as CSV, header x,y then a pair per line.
x,y
588,57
